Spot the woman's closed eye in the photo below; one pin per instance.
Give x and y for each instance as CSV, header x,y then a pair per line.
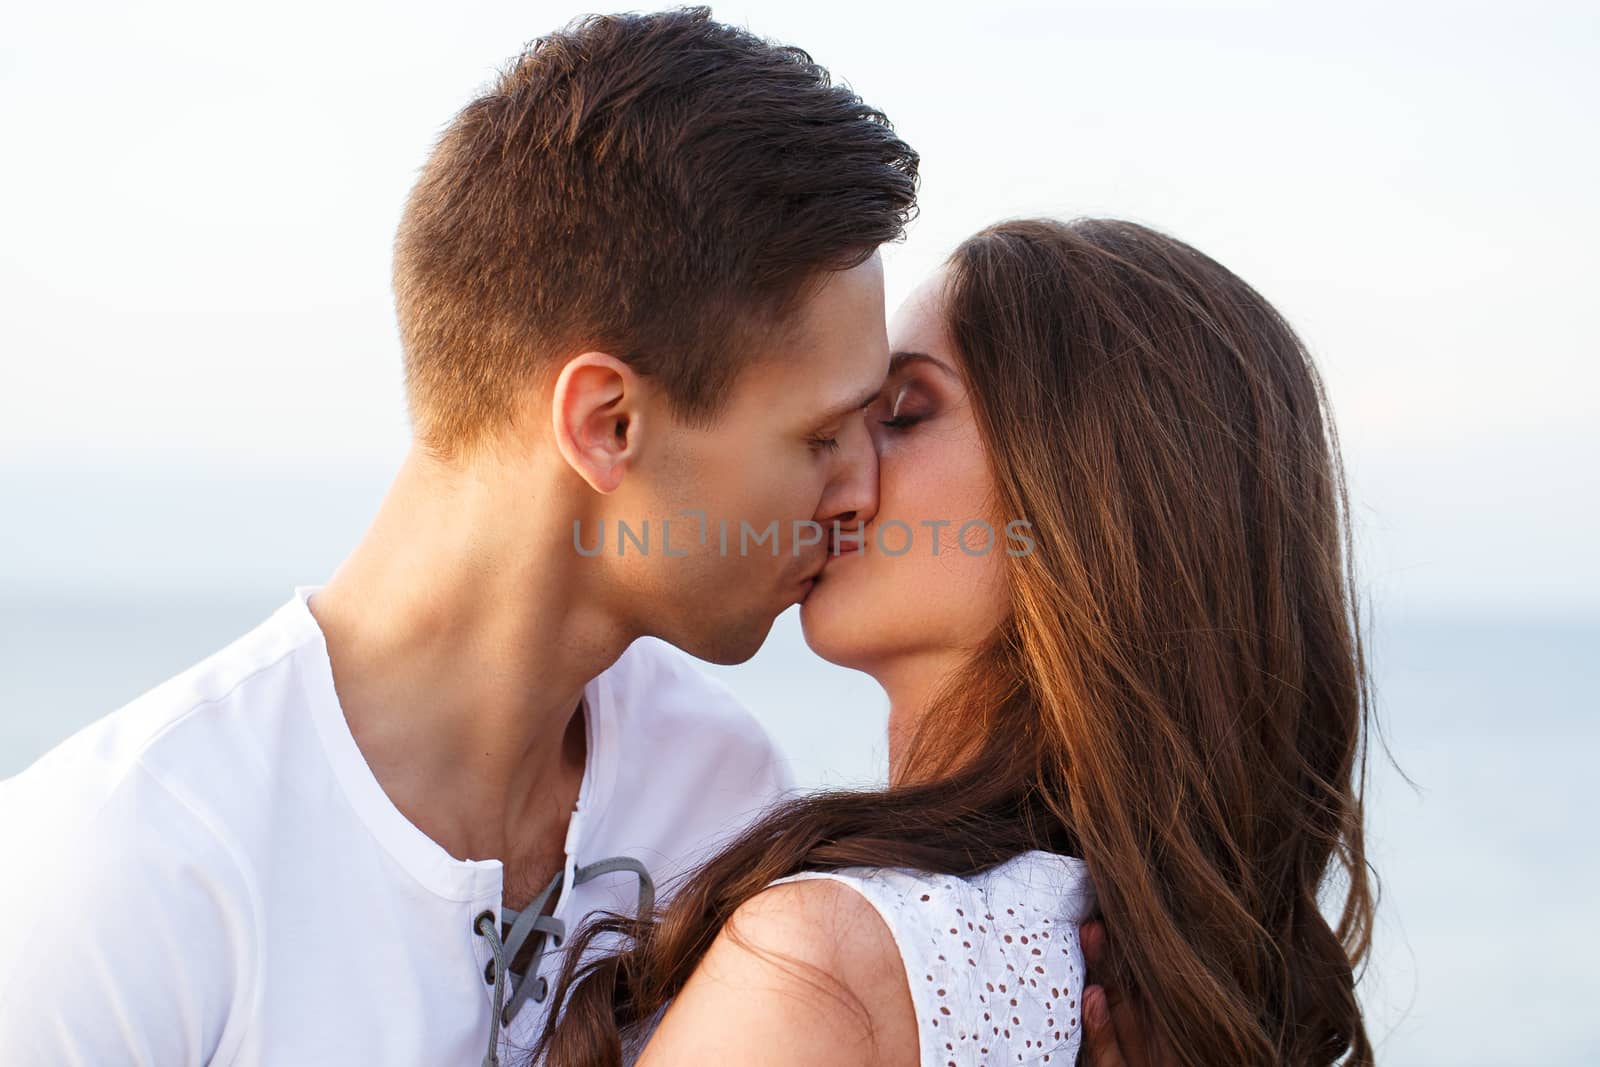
x,y
910,406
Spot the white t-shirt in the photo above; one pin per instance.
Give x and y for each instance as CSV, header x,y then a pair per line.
x,y
993,960
211,874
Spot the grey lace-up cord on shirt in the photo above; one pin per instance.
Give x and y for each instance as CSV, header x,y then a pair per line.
x,y
532,922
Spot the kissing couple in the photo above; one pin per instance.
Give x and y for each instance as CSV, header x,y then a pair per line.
x,y
1078,510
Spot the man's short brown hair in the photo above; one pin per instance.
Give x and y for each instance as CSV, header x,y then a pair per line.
x,y
662,187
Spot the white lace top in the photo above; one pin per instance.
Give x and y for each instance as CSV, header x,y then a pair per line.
x,y
994,963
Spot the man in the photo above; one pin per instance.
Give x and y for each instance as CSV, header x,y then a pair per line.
x,y
637,277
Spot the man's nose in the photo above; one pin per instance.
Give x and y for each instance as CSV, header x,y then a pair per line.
x,y
852,493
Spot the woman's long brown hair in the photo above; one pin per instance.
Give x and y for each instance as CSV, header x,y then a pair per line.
x,y
1179,695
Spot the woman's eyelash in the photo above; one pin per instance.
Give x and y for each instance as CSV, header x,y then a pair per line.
x,y
900,422
829,443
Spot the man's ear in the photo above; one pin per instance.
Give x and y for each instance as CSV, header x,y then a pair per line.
x,y
596,408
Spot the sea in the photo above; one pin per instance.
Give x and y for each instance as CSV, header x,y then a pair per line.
x,y
1481,809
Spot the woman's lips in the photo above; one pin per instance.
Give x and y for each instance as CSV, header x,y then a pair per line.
x,y
841,551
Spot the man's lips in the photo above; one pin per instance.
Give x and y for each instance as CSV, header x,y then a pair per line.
x,y
815,572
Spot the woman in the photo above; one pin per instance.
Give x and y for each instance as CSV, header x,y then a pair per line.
x,y
1154,684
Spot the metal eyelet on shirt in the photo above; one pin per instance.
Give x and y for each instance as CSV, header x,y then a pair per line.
x,y
477,928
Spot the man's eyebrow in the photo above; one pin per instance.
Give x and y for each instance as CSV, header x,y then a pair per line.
x,y
849,407
900,359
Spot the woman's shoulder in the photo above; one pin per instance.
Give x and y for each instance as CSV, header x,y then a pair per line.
x,y
804,972
992,960
1031,887
927,969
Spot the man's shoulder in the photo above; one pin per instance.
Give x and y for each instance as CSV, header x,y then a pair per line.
x,y
127,874
247,669
196,739
105,856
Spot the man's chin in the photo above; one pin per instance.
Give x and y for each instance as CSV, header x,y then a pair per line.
x,y
730,645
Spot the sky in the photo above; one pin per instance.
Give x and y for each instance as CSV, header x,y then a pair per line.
x,y
200,200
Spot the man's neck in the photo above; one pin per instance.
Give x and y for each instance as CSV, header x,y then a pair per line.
x,y
461,638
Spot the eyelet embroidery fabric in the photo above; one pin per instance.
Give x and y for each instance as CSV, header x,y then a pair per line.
x,y
993,960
